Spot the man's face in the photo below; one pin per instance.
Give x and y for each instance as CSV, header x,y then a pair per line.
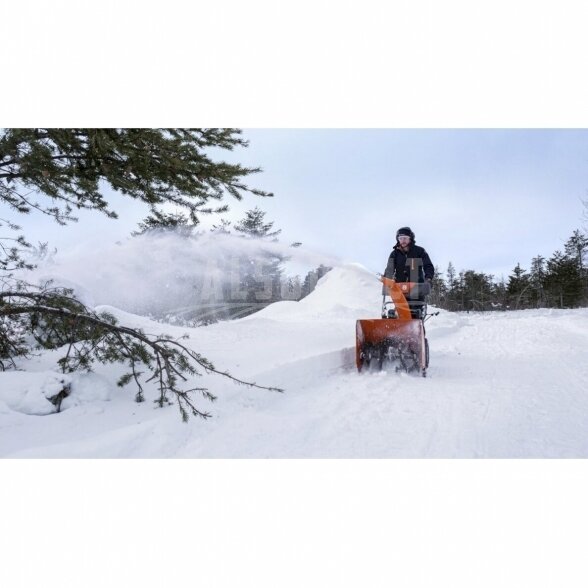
x,y
404,241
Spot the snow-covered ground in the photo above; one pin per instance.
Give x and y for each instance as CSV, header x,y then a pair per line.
x,y
500,385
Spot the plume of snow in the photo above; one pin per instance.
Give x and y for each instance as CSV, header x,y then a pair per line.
x,y
161,271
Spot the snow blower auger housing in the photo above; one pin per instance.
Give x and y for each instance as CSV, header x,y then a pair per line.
x,y
399,336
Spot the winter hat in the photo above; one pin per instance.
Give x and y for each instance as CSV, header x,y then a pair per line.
x,y
405,231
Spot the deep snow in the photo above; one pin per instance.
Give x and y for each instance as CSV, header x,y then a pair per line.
x,y
500,385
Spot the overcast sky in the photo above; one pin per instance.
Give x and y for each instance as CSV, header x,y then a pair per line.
x,y
484,199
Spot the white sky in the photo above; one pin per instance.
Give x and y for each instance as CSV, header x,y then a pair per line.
x,y
483,199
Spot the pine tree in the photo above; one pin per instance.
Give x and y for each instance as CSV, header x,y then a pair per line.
x,y
450,276
438,290
576,247
537,277
292,288
162,222
451,288
499,296
477,290
322,270
223,228
518,284
260,275
460,290
254,227
155,166
309,283
564,283
58,171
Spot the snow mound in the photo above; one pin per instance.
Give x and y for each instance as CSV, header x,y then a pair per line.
x,y
87,389
31,392
349,291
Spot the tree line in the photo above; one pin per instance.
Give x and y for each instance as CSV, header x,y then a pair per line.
x,y
560,281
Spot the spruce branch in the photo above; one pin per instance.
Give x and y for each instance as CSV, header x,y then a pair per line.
x,y
99,337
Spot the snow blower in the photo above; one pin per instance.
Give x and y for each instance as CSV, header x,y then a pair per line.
x,y
399,336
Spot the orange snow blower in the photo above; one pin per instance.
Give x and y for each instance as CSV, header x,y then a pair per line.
x,y
399,336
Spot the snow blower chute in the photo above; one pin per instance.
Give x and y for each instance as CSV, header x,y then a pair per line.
x,y
399,336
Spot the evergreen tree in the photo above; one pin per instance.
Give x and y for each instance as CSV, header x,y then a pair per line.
x,y
309,283
438,289
537,278
563,283
160,222
499,296
517,287
292,288
223,228
156,166
477,290
451,288
66,170
460,290
260,275
254,227
450,276
576,247
322,270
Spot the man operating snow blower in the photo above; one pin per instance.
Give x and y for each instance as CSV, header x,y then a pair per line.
x,y
410,263
399,336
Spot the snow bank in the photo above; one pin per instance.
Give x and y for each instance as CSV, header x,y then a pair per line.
x,y
31,392
347,292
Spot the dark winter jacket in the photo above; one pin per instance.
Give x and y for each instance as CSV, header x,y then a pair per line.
x,y
413,266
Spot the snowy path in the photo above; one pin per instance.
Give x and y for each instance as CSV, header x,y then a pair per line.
x,y
500,385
